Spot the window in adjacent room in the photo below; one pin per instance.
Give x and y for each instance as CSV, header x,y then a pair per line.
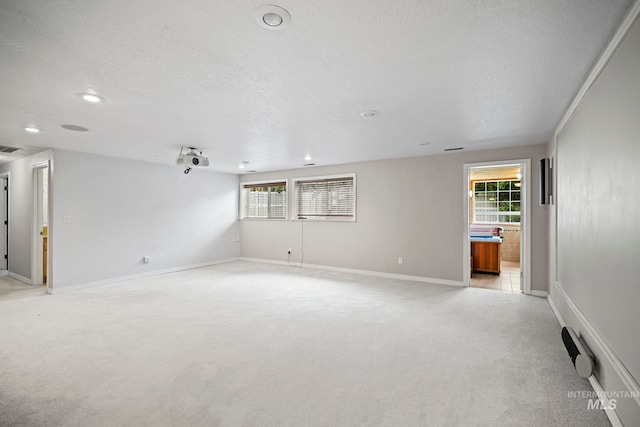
x,y
263,200
496,202
326,198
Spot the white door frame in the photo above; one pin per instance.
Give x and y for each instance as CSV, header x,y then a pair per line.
x,y
36,241
6,175
525,220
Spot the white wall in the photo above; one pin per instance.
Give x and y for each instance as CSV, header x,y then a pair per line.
x,y
595,233
122,210
411,208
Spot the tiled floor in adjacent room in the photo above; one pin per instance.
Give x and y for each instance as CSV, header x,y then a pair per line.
x,y
507,281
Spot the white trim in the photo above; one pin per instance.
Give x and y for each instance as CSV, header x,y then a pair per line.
x,y
601,64
363,272
525,220
59,290
36,223
542,294
294,205
21,278
610,356
597,387
556,311
241,204
50,221
625,376
526,247
611,413
7,175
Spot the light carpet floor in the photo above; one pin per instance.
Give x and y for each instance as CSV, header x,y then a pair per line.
x,y
249,344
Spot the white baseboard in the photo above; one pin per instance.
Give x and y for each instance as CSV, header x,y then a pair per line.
x,y
611,358
363,272
556,312
542,294
21,278
59,290
611,414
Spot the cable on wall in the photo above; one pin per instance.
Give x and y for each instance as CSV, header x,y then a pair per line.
x,y
302,218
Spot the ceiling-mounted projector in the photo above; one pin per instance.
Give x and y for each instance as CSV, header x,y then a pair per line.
x,y
192,158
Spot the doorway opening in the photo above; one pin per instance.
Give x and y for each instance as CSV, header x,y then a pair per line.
x,y
40,264
496,242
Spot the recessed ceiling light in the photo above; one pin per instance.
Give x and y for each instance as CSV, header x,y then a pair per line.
x,y
32,129
74,128
369,113
308,157
241,166
272,17
91,97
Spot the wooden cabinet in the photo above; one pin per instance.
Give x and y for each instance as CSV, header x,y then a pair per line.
x,y
486,257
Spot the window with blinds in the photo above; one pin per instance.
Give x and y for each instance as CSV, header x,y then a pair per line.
x,y
264,200
329,198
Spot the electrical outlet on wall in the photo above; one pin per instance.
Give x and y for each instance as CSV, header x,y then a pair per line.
x,y
400,260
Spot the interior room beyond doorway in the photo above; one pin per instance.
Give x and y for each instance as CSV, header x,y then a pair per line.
x,y
494,228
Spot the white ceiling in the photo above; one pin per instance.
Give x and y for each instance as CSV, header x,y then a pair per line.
x,y
454,73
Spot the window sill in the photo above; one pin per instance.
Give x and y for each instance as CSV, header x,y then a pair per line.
x,y
263,219
324,220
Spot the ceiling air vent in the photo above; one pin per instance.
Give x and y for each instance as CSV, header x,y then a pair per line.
x,y
309,164
454,149
6,149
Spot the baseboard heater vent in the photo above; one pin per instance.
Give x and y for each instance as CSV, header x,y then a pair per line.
x,y
579,353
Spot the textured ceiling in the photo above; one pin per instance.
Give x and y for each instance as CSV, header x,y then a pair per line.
x,y
474,74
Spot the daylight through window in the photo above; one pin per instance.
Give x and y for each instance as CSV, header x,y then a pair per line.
x,y
267,200
332,198
496,202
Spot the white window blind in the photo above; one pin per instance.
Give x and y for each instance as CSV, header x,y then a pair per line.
x,y
264,200
326,198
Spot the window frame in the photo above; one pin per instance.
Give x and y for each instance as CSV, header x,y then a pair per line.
x,y
498,201
242,201
294,206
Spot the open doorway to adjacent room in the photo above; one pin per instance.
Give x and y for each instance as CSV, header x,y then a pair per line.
x,y
497,251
